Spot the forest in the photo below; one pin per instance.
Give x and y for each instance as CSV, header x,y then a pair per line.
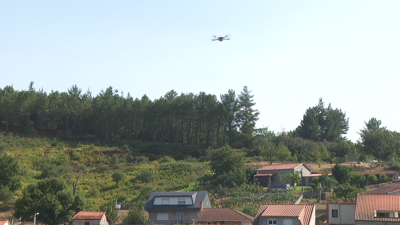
x,y
201,120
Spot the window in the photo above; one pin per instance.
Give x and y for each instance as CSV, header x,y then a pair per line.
x,y
180,216
162,216
164,201
335,213
386,214
86,223
271,222
181,202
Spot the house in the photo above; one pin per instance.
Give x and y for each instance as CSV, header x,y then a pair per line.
x,y
223,216
270,175
91,218
285,215
4,222
340,212
391,189
377,210
176,207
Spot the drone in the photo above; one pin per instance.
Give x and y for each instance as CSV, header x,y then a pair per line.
x,y
220,38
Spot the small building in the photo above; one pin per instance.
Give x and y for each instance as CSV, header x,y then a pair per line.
x,y
340,213
223,216
91,218
4,222
391,189
270,175
176,207
377,210
285,215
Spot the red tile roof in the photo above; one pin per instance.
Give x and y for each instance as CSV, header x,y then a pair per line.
x,y
282,166
376,172
3,222
223,214
303,212
85,215
368,204
385,189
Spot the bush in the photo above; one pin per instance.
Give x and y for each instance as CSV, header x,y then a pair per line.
x,y
166,159
231,179
145,176
136,216
372,179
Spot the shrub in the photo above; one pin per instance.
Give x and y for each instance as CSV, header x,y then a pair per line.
x,y
145,175
166,159
372,179
136,216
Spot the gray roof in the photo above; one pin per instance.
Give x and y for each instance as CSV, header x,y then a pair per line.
x,y
200,196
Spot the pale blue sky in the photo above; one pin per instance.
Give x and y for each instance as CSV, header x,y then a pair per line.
x,y
289,53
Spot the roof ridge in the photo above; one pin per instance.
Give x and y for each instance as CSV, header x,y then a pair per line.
x,y
243,214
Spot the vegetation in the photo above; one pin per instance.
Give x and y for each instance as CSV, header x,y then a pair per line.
x,y
88,151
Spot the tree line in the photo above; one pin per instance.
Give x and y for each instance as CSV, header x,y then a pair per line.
x,y
188,119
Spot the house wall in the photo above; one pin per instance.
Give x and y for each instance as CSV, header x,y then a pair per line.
x,y
346,214
312,220
207,202
173,217
103,221
279,220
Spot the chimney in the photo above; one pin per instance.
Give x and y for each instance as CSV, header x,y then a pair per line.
x,y
201,206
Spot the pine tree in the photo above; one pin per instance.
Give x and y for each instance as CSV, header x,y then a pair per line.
x,y
246,117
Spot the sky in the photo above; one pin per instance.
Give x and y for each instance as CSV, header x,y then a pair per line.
x,y
288,53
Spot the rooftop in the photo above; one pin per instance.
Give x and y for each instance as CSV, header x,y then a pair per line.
x,y
376,172
282,166
86,215
303,212
385,189
3,222
368,205
223,214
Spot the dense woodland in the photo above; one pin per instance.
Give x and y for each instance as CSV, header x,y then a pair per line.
x,y
190,119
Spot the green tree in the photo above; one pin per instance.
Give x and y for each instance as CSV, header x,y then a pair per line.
x,y
357,180
246,117
136,216
378,141
118,176
226,159
282,152
320,123
111,210
327,183
9,169
347,191
292,179
267,150
53,200
230,110
341,173
372,179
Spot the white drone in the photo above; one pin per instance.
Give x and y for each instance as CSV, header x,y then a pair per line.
x,y
220,38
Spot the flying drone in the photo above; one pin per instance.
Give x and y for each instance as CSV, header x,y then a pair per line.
x,y
220,38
